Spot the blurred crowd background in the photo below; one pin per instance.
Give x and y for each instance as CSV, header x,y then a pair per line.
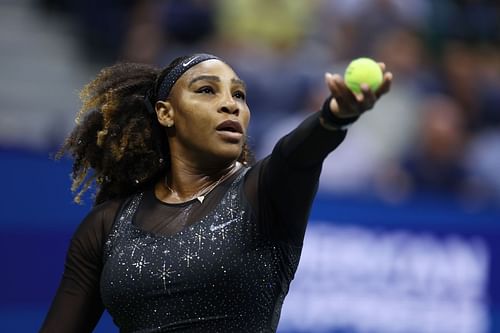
x,y
438,130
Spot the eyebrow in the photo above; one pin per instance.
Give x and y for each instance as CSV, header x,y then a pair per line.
x,y
214,78
240,82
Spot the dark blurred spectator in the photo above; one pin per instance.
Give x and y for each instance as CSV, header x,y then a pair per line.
x,y
476,21
403,51
162,30
101,25
188,21
471,76
145,38
436,165
488,68
353,27
483,162
461,78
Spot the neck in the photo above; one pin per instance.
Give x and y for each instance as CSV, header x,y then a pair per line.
x,y
184,182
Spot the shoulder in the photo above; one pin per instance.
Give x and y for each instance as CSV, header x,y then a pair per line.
x,y
97,224
253,172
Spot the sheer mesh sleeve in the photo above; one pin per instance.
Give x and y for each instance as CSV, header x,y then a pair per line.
x,y
77,304
281,187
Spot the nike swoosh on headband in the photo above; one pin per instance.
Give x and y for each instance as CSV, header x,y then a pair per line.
x,y
175,73
185,64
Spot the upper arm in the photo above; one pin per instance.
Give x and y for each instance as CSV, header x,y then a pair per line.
x,y
281,187
77,304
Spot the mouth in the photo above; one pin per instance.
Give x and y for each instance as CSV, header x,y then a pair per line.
x,y
230,131
230,126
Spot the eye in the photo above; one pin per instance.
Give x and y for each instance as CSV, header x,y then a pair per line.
x,y
205,90
240,95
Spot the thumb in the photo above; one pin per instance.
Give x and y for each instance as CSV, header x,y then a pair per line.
x,y
334,106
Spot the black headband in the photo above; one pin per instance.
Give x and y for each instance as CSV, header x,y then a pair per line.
x,y
176,72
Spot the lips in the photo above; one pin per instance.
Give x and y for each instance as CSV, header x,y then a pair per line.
x,y
230,131
230,126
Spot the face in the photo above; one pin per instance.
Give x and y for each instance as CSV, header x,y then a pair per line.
x,y
208,110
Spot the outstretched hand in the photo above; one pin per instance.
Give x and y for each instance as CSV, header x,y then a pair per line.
x,y
346,104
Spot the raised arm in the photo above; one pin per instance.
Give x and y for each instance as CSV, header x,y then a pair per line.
x,y
288,178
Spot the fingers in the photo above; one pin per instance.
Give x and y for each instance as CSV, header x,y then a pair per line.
x,y
346,100
385,86
329,81
346,103
368,97
345,97
386,83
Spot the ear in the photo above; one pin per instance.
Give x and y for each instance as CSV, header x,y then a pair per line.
x,y
165,113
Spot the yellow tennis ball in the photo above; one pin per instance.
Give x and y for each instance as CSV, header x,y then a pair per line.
x,y
363,70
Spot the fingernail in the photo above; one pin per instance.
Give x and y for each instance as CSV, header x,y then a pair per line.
x,y
337,77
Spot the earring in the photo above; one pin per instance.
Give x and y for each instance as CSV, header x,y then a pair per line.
x,y
170,124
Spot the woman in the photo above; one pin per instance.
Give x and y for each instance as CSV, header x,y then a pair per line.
x,y
185,235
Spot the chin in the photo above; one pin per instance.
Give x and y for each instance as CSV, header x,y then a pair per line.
x,y
230,155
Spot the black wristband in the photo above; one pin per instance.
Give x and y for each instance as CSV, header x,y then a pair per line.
x,y
330,121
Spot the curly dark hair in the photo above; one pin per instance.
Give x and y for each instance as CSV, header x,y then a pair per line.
x,y
117,143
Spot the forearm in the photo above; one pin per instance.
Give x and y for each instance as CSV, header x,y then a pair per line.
x,y
310,143
72,310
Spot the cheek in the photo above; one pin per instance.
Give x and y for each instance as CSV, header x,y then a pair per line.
x,y
198,126
193,117
245,118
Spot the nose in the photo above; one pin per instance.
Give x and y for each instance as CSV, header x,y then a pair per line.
x,y
230,106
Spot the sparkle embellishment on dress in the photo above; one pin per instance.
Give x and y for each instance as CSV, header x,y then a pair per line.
x,y
188,257
165,273
200,236
135,246
140,264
